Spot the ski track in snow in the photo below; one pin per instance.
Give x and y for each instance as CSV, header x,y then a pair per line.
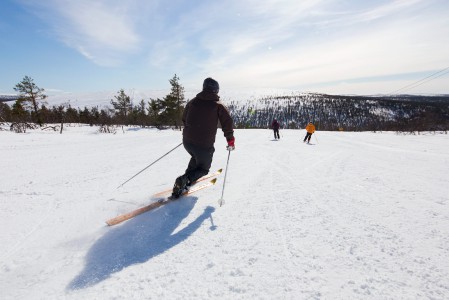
x,y
352,216
21,241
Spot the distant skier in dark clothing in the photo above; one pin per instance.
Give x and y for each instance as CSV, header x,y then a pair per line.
x,y
310,128
275,126
201,116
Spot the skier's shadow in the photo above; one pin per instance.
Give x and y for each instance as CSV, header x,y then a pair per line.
x,y
138,240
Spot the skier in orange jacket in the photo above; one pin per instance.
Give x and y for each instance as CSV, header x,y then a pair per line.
x,y
310,128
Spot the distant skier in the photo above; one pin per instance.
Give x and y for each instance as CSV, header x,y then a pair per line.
x,y
201,116
310,128
275,126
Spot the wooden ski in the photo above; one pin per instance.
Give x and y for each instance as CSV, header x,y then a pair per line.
x,y
132,214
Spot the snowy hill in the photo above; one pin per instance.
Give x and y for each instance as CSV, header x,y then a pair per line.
x,y
402,113
351,216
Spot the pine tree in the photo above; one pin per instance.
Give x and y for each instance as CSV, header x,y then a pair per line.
x,y
173,104
154,111
122,105
5,112
177,92
72,115
141,117
18,112
31,95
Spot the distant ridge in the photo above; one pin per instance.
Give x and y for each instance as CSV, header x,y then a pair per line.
x,y
7,98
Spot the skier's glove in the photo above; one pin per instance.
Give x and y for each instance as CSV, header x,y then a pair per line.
x,y
231,145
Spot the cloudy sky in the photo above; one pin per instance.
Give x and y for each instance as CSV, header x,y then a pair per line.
x,y
328,46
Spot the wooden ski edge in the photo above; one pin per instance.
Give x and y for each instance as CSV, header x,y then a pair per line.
x,y
126,216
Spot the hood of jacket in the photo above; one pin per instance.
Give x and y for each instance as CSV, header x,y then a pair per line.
x,y
207,95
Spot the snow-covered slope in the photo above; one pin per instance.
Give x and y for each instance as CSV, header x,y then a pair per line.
x,y
352,216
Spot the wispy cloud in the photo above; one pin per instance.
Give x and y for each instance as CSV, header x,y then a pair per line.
x,y
102,31
290,43
394,38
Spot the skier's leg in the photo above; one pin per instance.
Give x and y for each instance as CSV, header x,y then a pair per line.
x,y
200,162
192,164
183,181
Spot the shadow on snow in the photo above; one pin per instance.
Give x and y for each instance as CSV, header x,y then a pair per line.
x,y
138,240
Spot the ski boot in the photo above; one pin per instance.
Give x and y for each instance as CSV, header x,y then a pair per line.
x,y
182,183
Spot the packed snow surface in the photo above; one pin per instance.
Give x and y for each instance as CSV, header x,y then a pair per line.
x,y
350,216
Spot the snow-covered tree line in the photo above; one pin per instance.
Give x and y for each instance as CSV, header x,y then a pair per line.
x,y
30,109
349,113
406,113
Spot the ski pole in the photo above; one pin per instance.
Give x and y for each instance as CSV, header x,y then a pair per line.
x,y
316,139
221,201
149,165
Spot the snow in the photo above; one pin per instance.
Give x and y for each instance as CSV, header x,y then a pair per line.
x,y
351,216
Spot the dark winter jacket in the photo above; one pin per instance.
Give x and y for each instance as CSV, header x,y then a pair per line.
x,y
201,117
275,125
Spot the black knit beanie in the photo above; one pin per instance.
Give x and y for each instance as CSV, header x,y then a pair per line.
x,y
211,85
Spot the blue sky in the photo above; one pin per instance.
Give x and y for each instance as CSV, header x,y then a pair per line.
x,y
349,47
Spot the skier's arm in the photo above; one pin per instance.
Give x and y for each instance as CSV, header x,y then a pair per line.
x,y
226,122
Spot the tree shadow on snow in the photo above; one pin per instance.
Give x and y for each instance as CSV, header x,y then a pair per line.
x,y
138,240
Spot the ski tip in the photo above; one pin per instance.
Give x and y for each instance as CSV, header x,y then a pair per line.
x,y
213,181
220,170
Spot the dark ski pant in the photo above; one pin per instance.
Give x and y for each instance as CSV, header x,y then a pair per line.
x,y
308,136
276,134
200,161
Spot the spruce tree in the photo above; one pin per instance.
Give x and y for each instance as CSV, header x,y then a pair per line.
x,y
173,104
122,105
154,112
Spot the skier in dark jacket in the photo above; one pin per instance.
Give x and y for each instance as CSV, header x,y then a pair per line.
x,y
275,126
201,116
